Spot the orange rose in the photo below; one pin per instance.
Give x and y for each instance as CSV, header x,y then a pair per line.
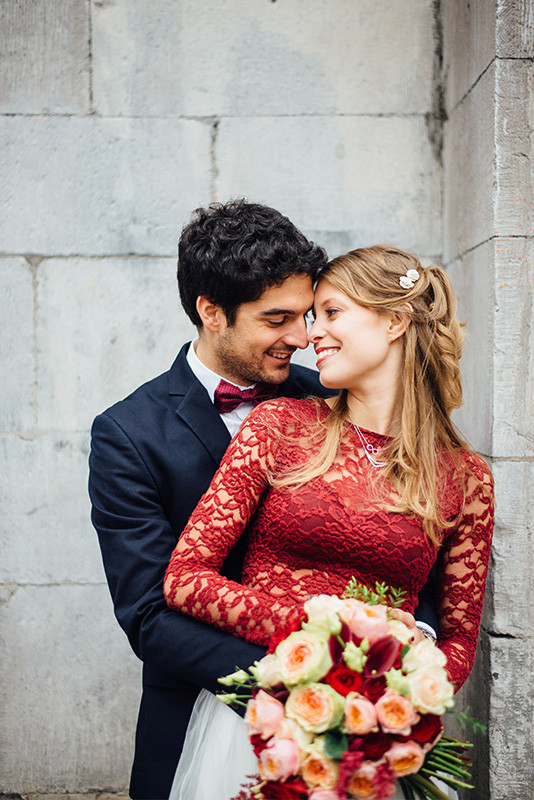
x,y
405,758
318,770
395,713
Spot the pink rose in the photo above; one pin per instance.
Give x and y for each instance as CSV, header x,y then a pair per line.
x,y
405,758
264,714
360,715
279,760
366,622
395,713
323,794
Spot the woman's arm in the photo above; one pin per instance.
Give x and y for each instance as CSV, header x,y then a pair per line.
x,y
463,566
192,583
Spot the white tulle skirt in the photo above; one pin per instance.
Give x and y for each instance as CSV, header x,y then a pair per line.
x,y
217,755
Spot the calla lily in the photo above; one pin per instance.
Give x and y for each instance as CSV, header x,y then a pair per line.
x,y
381,656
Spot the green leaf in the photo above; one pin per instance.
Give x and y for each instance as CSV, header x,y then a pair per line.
x,y
335,744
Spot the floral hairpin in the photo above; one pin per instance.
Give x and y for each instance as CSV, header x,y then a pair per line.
x,y
407,281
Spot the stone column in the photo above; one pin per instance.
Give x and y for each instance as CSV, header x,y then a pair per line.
x,y
488,77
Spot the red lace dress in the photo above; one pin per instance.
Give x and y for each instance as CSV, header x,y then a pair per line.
x,y
312,539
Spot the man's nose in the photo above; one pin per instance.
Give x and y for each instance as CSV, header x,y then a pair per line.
x,y
297,336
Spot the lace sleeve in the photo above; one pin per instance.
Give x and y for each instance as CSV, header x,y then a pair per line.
x,y
463,566
193,583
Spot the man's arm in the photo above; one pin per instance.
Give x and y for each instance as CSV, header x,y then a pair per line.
x,y
137,540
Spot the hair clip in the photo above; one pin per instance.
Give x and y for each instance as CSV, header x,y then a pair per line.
x,y
407,281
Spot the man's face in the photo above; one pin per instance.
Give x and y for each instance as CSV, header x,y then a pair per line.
x,y
266,332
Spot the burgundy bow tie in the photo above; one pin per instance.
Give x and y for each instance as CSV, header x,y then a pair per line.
x,y
227,396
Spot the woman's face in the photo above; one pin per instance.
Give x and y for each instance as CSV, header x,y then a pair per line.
x,y
352,343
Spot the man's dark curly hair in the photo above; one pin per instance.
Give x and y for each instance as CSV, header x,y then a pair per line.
x,y
231,252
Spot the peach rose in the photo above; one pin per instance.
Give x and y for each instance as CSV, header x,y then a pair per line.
x,y
361,782
316,707
318,770
430,690
366,622
405,758
423,654
360,715
264,714
395,713
279,760
303,656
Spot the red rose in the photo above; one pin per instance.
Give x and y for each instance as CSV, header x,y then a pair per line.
x,y
292,789
374,745
426,731
343,680
374,688
290,627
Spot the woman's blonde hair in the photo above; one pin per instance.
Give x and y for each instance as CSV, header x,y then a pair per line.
x,y
427,440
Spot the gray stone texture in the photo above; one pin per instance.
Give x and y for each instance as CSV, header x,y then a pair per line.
x,y
468,164
17,401
511,718
94,187
44,54
374,179
70,691
259,58
122,324
512,583
46,532
515,29
468,45
472,276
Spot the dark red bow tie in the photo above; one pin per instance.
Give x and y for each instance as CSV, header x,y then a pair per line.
x,y
227,396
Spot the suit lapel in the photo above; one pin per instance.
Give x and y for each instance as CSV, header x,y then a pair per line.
x,y
195,408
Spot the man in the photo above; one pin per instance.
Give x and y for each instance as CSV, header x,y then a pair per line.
x,y
245,275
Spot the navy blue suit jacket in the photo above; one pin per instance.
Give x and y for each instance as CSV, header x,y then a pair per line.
x,y
153,455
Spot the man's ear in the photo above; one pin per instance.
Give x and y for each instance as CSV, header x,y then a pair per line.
x,y
398,324
212,316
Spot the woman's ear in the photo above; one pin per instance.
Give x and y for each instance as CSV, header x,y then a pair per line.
x,y
212,316
398,324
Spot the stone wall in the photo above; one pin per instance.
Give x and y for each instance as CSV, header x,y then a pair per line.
x,y
117,118
488,78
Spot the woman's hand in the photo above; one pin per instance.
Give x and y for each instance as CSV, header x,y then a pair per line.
x,y
409,620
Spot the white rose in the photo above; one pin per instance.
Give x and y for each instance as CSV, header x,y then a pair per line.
x,y
265,672
430,690
399,630
423,654
323,614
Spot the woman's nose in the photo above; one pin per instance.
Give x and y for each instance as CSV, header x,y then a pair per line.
x,y
314,334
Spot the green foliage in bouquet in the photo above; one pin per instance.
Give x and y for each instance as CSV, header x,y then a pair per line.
x,y
380,595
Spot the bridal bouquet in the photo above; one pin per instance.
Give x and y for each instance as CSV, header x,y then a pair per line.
x,y
344,707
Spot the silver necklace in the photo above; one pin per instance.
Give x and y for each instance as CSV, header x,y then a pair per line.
x,y
369,449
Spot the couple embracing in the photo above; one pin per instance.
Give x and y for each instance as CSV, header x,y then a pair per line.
x,y
356,471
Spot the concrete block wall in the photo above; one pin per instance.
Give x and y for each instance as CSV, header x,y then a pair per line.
x,y
488,246
117,118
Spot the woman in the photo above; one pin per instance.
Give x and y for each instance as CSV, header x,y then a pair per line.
x,y
374,483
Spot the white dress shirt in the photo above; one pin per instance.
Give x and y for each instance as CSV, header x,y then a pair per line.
x,y
210,381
